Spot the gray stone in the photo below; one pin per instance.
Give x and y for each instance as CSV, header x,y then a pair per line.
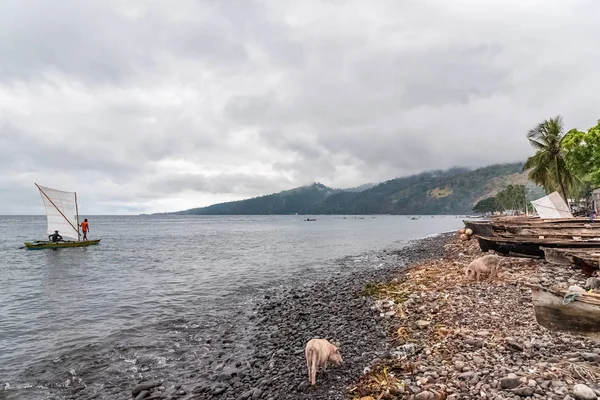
x,y
142,395
509,382
478,360
218,390
592,283
415,389
302,387
592,357
524,391
246,395
475,342
424,396
144,386
583,392
466,375
422,324
257,394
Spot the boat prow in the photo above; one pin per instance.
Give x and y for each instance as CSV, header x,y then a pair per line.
x,y
44,244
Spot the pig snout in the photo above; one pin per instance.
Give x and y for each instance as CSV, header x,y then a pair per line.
x,y
335,357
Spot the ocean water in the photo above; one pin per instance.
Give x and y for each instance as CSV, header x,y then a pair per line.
x,y
62,311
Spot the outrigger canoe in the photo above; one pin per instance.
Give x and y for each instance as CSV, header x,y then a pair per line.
x,y
44,244
62,214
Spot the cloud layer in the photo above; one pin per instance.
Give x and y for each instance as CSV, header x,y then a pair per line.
x,y
159,106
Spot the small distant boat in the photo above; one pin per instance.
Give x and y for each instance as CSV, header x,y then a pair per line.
x,y
309,219
62,214
561,310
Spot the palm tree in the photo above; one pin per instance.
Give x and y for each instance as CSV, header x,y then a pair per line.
x,y
547,165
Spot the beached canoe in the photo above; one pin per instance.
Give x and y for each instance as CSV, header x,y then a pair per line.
x,y
527,226
580,315
529,246
588,259
44,244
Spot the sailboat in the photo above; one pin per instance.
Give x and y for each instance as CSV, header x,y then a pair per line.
x,y
62,213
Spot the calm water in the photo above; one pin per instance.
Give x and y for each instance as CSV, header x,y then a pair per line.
x,y
151,269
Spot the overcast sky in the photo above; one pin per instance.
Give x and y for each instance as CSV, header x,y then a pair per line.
x,y
150,106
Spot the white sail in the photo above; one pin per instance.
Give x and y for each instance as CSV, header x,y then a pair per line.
x,y
552,206
61,211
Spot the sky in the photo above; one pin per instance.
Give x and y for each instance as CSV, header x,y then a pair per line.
x,y
152,106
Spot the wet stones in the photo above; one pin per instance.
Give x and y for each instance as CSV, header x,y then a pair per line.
x,y
144,386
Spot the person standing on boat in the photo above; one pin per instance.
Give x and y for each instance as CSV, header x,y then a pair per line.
x,y
55,237
85,228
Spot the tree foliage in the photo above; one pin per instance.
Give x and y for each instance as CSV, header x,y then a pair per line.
x,y
582,155
488,205
512,197
547,166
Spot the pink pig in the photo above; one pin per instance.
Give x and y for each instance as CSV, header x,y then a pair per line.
x,y
319,352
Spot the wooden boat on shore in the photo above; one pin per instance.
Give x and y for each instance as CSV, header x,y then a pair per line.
x,y
580,314
62,214
588,259
531,226
530,246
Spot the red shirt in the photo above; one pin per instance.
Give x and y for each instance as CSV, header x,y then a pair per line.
x,y
84,226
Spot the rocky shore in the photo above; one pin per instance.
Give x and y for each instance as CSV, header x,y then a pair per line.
x,y
283,321
455,338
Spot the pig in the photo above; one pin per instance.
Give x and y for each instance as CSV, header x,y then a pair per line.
x,y
319,352
483,265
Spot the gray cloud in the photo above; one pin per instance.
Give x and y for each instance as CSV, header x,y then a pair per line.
x,y
158,106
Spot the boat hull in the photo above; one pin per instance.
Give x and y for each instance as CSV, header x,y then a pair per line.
x,y
529,247
40,245
577,316
526,226
588,260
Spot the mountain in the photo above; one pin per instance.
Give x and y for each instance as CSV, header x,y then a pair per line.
x,y
454,191
299,200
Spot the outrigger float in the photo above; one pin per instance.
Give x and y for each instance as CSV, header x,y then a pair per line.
x,y
62,214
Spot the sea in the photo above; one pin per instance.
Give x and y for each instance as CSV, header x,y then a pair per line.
x,y
63,311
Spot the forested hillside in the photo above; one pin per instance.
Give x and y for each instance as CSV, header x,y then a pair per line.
x,y
454,191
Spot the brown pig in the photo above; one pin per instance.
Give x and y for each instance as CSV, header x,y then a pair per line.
x,y
483,265
319,352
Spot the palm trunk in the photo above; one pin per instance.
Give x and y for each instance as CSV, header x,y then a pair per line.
x,y
562,186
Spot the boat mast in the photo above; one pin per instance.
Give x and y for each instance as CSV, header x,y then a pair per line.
x,y
77,213
57,209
